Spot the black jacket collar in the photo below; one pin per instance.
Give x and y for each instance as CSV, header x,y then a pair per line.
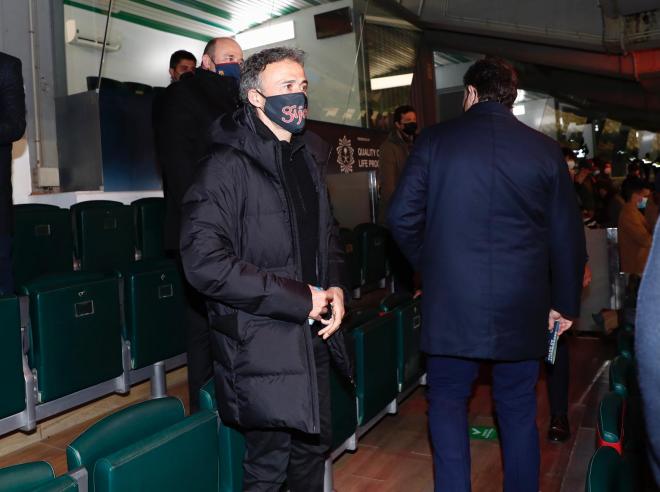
x,y
490,107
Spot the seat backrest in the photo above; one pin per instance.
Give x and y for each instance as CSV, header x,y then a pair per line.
x,y
120,429
608,472
621,370
61,484
394,301
103,235
25,477
371,249
42,242
11,350
149,220
183,456
610,420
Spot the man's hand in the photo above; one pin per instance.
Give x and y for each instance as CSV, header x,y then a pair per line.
x,y
320,300
564,324
586,279
338,311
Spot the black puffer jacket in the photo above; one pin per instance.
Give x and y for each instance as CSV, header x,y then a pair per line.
x,y
240,248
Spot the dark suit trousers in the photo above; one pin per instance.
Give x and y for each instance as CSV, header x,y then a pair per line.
x,y
450,386
6,278
198,339
275,455
557,377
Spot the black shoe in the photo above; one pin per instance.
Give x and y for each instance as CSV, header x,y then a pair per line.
x,y
559,430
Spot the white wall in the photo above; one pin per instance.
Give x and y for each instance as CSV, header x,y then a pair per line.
x,y
330,66
144,55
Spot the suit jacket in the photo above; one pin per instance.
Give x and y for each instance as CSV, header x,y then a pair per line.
x,y
12,127
634,239
485,210
393,154
182,118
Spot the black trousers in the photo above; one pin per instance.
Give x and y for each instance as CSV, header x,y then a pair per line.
x,y
275,455
6,277
198,339
557,377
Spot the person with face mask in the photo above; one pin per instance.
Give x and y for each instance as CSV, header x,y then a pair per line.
x,y
393,154
635,233
181,122
485,209
259,241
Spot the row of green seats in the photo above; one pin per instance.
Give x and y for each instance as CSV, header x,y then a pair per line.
x,y
388,364
103,327
366,249
150,446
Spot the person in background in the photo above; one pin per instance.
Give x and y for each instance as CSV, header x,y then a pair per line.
x,y
181,128
584,187
393,154
498,238
634,230
569,158
181,62
259,241
12,128
652,208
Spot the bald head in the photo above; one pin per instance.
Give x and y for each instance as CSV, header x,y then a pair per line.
x,y
221,50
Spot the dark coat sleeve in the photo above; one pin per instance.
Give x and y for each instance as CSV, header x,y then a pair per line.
x,y
12,101
211,212
407,210
567,244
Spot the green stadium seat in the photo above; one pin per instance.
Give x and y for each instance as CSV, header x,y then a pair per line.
x,y
75,336
11,359
153,296
375,362
121,429
344,410
25,477
149,217
103,235
61,484
621,375
610,421
231,445
407,312
347,238
42,242
371,251
609,472
183,456
626,343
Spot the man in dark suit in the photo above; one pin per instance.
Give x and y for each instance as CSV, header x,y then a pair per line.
x,y
486,211
12,127
181,124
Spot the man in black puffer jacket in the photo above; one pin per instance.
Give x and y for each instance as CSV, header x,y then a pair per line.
x,y
259,241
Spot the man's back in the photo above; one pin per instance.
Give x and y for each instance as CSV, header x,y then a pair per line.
x,y
499,208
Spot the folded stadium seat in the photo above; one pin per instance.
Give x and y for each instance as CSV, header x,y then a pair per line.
x,y
75,336
344,413
25,477
371,251
622,375
609,472
374,336
231,445
610,421
121,429
407,312
152,291
348,241
181,457
12,382
149,217
626,343
42,242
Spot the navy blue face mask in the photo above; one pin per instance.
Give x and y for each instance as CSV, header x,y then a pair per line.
x,y
229,70
288,111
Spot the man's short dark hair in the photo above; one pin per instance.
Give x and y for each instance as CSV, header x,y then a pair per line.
x,y
633,185
494,79
257,63
401,110
177,56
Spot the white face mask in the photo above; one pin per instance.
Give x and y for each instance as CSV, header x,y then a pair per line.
x,y
570,164
642,203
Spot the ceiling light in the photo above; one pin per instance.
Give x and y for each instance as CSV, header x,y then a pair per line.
x,y
262,36
380,83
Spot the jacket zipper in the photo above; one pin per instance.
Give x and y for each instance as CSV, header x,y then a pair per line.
x,y
307,329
